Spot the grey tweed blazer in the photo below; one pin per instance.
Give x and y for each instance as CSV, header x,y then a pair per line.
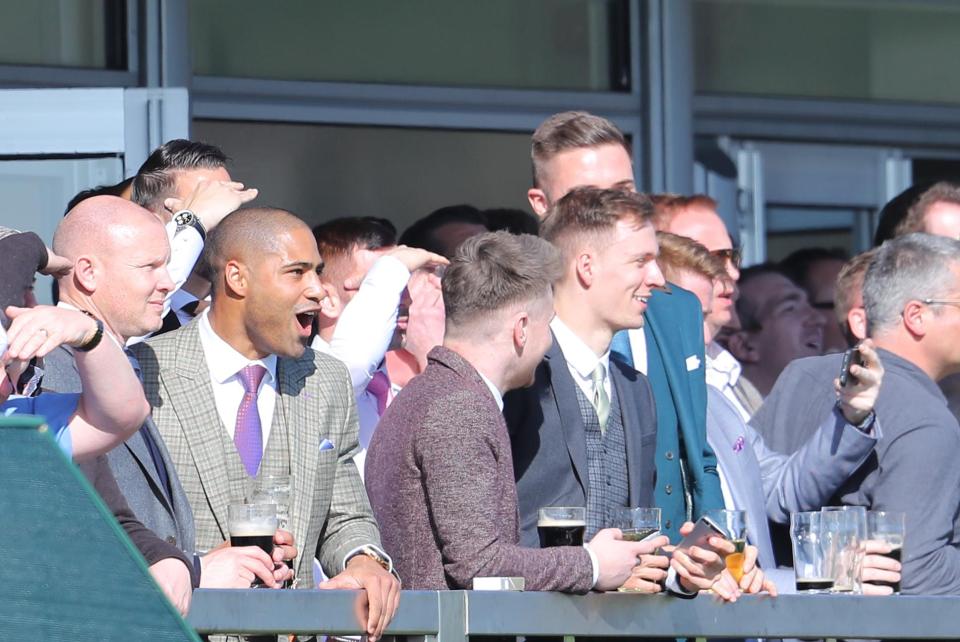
x,y
330,514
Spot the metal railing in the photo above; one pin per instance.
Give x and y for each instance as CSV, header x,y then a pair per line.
x,y
454,616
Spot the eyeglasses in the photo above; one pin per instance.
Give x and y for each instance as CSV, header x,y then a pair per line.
x,y
734,255
953,302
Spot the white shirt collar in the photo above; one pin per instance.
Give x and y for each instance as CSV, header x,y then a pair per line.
x,y
723,369
223,360
578,354
497,395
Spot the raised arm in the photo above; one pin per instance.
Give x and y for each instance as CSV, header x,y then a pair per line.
x,y
112,406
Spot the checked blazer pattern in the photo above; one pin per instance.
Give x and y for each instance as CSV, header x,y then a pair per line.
x,y
329,511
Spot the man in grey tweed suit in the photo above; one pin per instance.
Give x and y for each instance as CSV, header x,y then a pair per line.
x,y
265,267
439,469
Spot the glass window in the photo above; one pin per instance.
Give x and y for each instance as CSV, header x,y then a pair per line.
x,y
322,172
65,33
534,44
903,50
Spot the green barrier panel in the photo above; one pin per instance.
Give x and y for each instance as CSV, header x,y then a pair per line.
x,y
67,570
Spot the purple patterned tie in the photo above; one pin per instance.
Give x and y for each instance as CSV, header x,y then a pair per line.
x,y
379,387
248,435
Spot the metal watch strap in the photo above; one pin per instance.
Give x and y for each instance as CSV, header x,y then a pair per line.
x,y
186,218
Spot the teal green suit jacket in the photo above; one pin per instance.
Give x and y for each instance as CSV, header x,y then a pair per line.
x,y
676,371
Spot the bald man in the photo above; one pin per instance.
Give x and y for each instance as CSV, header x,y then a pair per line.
x,y
118,252
237,395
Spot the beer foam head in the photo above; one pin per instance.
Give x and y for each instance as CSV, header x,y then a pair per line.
x,y
253,528
559,522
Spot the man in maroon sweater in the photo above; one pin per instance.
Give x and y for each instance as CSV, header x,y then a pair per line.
x,y
439,471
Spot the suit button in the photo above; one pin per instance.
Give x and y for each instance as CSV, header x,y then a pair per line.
x,y
171,540
667,523
668,489
669,455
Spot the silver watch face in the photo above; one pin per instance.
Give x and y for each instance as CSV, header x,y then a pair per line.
x,y
184,218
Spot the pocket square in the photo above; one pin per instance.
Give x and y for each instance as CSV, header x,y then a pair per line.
x,y
326,444
693,362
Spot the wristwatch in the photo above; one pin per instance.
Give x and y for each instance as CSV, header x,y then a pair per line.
x,y
186,218
378,557
95,339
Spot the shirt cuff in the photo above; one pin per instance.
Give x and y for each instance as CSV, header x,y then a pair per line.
x,y
596,567
674,586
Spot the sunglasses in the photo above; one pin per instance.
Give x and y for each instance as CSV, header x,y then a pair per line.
x,y
734,255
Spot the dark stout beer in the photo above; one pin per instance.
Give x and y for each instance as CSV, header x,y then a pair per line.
x,y
814,584
253,534
560,532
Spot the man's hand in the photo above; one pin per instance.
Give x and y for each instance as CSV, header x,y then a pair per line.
x,y
284,549
57,265
648,576
754,580
413,258
618,558
425,316
700,568
211,201
877,567
382,591
173,577
859,396
236,567
36,331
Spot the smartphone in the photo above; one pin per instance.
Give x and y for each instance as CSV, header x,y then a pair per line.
x,y
704,529
851,357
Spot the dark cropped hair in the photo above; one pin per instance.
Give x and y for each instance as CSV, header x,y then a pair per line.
x,y
422,233
155,179
341,235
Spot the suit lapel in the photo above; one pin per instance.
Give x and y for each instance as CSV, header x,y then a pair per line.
x,y
630,417
138,449
191,396
298,412
564,392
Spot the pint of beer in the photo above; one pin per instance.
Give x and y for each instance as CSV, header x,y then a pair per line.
x,y
253,525
888,527
561,526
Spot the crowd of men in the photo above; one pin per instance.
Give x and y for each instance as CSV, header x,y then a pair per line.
x,y
607,353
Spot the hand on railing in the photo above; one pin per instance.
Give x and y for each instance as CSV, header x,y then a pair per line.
x,y
382,591
753,580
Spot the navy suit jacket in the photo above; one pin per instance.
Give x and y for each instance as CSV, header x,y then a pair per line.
x,y
548,439
674,336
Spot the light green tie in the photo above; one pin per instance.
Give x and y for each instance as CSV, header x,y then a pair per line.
x,y
601,402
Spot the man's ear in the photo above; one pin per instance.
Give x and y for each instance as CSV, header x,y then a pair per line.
x,y
521,324
915,319
538,201
742,346
85,273
857,323
236,278
586,268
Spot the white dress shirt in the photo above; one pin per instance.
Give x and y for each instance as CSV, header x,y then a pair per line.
x,y
722,372
638,346
497,395
581,359
224,364
367,323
